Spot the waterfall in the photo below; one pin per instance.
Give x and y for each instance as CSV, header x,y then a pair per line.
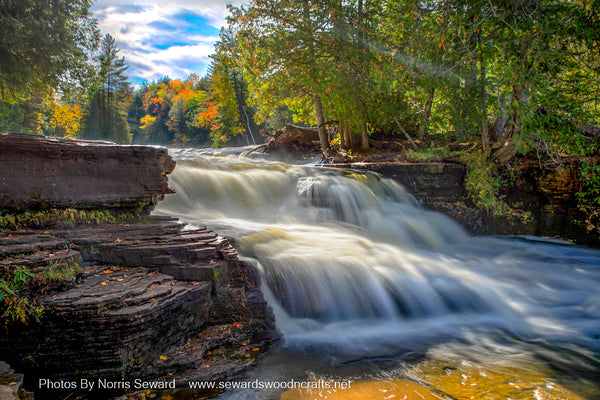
x,y
352,264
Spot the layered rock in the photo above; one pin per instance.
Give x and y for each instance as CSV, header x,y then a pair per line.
x,y
41,172
10,383
146,290
149,299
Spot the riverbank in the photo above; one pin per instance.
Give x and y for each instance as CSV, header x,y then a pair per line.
x,y
99,290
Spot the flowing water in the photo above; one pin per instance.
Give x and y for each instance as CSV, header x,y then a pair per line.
x,y
362,279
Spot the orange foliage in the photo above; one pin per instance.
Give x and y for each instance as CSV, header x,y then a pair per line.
x,y
205,118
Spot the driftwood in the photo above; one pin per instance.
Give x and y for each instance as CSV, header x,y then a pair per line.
x,y
412,142
590,132
332,156
292,138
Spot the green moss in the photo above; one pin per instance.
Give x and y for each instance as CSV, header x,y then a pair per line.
x,y
64,218
430,154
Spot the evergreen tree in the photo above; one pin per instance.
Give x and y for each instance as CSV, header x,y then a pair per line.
x,y
106,118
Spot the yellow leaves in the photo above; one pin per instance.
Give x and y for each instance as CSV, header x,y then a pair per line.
x,y
163,358
65,119
102,283
147,121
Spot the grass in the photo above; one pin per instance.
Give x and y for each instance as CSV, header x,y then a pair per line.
x,y
430,154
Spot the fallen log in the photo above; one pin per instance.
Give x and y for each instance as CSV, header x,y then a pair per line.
x,y
292,138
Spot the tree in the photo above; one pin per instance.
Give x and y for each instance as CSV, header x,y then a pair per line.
x,y
106,118
43,43
282,48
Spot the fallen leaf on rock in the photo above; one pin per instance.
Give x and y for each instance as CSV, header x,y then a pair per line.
x,y
163,358
102,283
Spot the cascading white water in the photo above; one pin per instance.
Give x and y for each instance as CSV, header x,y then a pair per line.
x,y
352,265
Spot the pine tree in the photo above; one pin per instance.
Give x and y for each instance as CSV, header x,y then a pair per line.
x,y
106,118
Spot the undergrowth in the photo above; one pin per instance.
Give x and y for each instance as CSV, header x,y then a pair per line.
x,y
19,286
482,183
65,218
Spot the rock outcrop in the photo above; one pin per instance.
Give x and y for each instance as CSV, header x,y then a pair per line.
x,y
10,383
153,298
40,172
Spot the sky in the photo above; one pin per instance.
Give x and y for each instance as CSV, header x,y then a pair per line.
x,y
163,37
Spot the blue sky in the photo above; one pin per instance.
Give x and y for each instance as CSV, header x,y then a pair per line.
x,y
163,37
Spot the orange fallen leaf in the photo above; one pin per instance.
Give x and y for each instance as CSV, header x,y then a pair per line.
x,y
237,325
163,358
102,283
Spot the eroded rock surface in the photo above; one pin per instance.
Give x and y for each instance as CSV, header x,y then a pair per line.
x,y
152,298
41,172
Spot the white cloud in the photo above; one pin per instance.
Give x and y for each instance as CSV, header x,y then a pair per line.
x,y
156,40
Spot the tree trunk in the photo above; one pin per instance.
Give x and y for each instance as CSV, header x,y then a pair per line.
x,y
364,135
350,137
426,114
248,125
505,150
343,137
485,134
321,122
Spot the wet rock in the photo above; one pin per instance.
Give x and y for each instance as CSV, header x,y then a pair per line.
x,y
146,293
60,173
10,383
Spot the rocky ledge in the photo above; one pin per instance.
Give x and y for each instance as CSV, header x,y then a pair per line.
x,y
152,300
40,173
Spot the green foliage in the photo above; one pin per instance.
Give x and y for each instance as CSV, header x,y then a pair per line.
x,y
17,307
229,92
60,217
105,118
19,285
482,184
589,194
44,44
522,73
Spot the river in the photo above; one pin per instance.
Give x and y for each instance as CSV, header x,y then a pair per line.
x,y
368,286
